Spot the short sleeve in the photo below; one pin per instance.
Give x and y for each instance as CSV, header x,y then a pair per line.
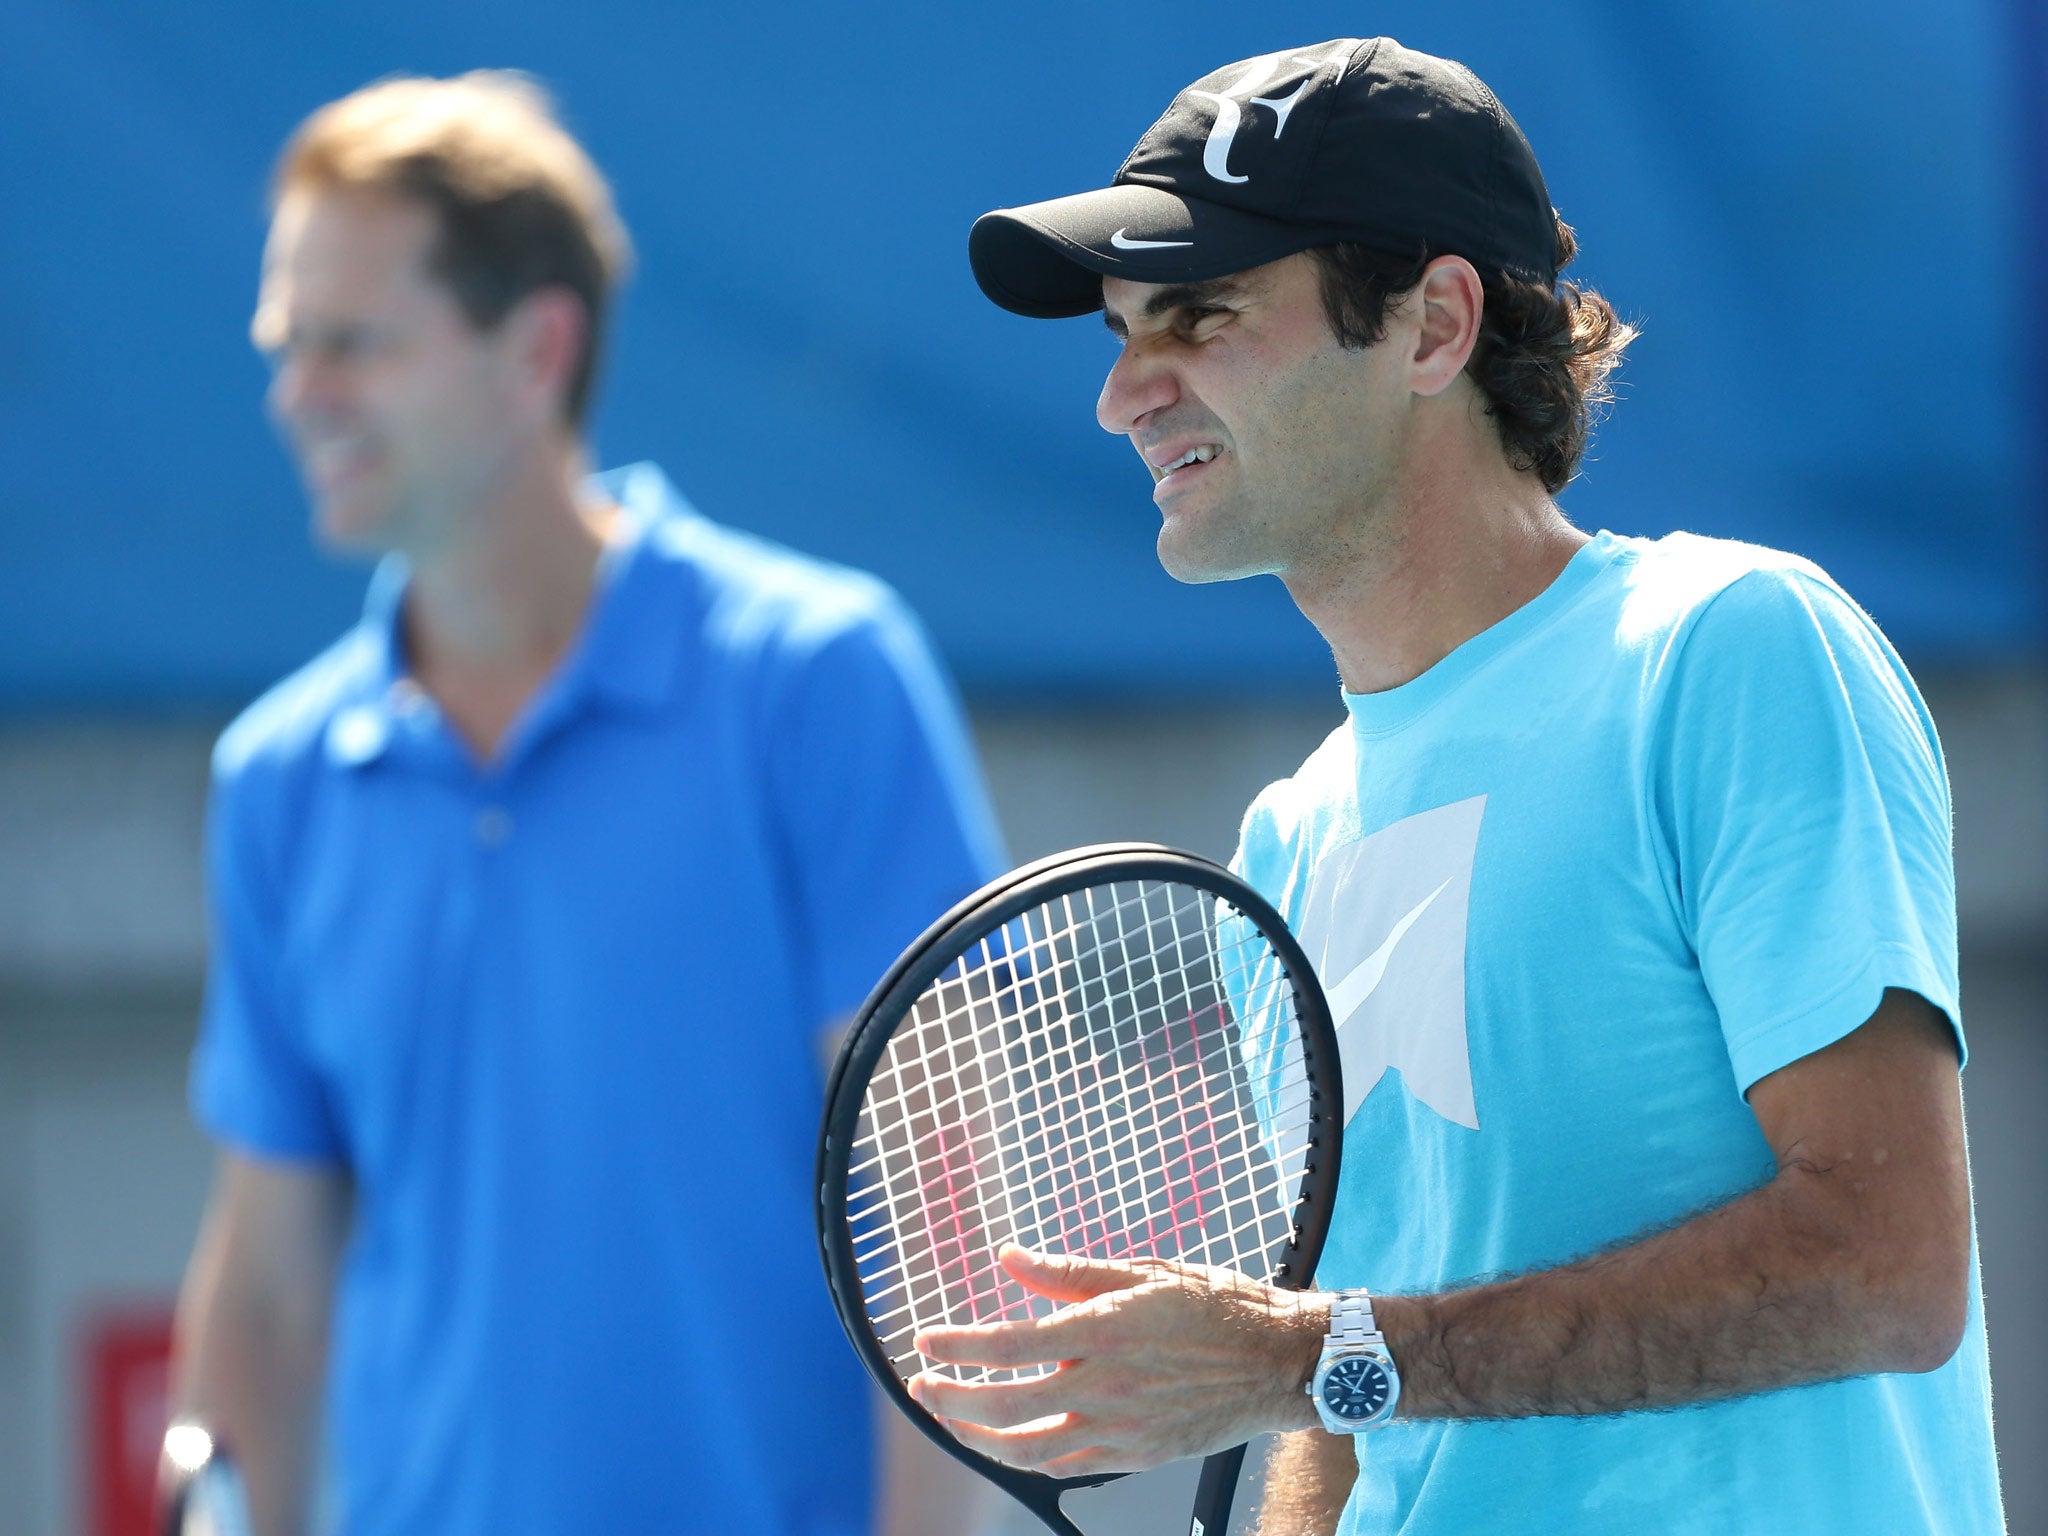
x,y
1267,855
252,1086
888,823
1799,787
1263,855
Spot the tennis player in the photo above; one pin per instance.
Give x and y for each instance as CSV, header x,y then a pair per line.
x,y
1628,877
531,897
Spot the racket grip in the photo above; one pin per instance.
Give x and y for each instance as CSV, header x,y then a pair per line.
x,y
1215,1492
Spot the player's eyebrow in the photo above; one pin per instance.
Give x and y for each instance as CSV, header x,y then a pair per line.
x,y
1178,296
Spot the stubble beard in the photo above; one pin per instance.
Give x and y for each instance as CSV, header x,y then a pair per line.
x,y
352,525
1228,541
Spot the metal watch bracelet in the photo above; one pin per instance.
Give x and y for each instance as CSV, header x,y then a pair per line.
x,y
1351,1320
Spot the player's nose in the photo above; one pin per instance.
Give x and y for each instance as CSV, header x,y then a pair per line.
x,y
1137,386
301,385
292,383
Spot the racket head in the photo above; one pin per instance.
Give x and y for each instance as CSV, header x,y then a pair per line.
x,y
991,983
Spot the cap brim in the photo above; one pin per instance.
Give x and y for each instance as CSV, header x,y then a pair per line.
x,y
1047,260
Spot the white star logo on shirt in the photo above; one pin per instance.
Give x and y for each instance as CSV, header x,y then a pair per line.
x,y
1384,923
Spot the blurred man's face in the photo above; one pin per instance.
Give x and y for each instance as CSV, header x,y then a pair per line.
x,y
1271,445
402,414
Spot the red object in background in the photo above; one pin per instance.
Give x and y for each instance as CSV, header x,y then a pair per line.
x,y
127,1404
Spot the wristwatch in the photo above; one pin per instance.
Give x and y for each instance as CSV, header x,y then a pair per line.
x,y
1356,1383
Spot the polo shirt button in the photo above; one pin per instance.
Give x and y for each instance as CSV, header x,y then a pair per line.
x,y
493,826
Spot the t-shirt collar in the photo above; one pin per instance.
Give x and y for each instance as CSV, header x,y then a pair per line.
x,y
1380,714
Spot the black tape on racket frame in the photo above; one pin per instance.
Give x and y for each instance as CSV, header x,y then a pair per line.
x,y
940,947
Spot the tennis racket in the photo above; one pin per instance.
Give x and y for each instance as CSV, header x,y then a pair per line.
x,y
1117,1051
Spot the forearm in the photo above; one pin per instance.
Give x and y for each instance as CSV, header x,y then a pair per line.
x,y
250,1348
250,1370
1854,1258
1772,1290
1308,1477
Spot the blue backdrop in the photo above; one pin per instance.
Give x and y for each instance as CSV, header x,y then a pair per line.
x,y
1822,216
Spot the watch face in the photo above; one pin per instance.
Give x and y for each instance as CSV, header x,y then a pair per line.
x,y
1356,1389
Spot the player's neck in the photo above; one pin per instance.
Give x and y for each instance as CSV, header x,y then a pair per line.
x,y
490,614
1451,553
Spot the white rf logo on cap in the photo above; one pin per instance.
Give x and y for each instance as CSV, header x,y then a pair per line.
x,y
1230,114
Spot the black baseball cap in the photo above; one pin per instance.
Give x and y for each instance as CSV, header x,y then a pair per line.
x,y
1347,140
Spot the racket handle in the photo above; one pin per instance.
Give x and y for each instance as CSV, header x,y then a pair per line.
x,y
1213,1495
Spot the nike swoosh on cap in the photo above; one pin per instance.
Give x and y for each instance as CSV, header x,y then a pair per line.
x,y
1122,243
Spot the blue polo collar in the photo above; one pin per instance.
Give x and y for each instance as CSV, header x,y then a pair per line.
x,y
629,655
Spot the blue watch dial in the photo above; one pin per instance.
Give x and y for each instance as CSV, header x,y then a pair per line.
x,y
1356,1389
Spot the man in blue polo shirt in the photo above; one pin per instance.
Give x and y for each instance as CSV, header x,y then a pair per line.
x,y
534,898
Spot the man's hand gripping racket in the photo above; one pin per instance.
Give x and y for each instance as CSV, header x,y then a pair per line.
x,y
1079,1149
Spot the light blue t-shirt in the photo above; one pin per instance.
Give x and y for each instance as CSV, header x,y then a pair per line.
x,y
1671,826
557,1016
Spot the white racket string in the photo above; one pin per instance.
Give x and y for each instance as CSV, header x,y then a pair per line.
x,y
1116,1073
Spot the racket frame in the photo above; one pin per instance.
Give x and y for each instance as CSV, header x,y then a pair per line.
x,y
940,947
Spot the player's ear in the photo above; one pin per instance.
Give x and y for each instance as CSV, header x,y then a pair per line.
x,y
545,334
1452,301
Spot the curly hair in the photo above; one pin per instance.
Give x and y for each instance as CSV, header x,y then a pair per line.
x,y
1543,358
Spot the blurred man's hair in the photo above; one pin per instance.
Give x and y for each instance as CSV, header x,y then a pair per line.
x,y
520,205
1543,357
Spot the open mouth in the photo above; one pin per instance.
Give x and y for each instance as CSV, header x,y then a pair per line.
x,y
1200,454
1178,473
334,461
